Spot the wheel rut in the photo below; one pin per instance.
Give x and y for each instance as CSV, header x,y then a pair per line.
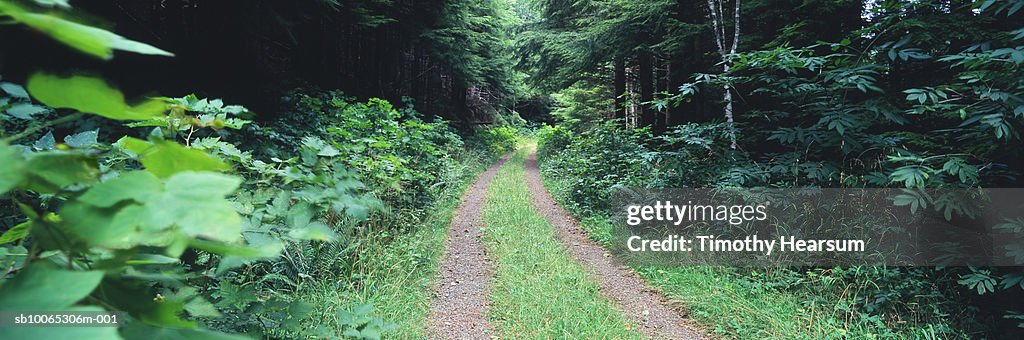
x,y
645,306
459,309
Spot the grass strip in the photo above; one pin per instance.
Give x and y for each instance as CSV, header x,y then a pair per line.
x,y
538,290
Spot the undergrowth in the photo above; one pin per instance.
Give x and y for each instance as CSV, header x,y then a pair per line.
x,y
581,170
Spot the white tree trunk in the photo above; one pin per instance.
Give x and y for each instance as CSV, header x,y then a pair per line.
x,y
715,8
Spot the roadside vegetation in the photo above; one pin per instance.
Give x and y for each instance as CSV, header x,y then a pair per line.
x,y
807,94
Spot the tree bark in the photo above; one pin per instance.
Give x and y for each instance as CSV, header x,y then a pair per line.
x,y
718,24
647,115
620,87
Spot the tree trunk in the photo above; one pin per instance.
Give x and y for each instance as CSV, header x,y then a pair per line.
x,y
729,121
647,115
620,88
718,24
677,75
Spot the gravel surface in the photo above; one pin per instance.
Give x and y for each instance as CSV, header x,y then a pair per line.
x,y
643,305
459,309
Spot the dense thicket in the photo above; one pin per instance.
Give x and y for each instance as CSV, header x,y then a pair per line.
x,y
909,94
185,215
452,57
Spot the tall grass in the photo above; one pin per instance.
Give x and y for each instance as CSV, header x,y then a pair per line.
x,y
538,291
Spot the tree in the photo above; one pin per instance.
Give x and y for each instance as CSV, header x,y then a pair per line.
x,y
717,14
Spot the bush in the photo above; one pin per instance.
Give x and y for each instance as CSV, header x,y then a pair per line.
x,y
586,167
401,163
500,140
595,161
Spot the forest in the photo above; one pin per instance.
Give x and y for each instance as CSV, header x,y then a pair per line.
x,y
402,169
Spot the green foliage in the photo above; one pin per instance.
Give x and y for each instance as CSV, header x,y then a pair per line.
x,y
362,172
87,39
166,209
89,95
497,140
595,161
591,163
145,226
86,206
581,106
360,324
906,101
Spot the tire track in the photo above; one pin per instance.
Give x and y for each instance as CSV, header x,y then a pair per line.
x,y
646,307
459,309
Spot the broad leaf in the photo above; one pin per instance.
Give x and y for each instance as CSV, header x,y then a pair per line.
x,y
87,39
14,90
25,110
113,228
16,233
51,171
11,168
138,331
139,186
166,158
46,142
82,139
90,95
194,201
41,288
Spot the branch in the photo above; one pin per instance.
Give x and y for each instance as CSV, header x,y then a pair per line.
x,y
35,129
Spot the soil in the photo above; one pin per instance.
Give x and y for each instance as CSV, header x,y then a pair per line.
x,y
459,309
646,307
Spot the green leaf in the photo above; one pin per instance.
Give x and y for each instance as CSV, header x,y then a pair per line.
x,y
194,201
46,142
133,145
166,158
14,90
328,151
16,233
202,308
912,176
41,288
167,313
90,95
25,110
269,250
202,185
11,168
87,39
51,3
82,139
51,171
113,228
314,231
139,186
138,331
144,259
